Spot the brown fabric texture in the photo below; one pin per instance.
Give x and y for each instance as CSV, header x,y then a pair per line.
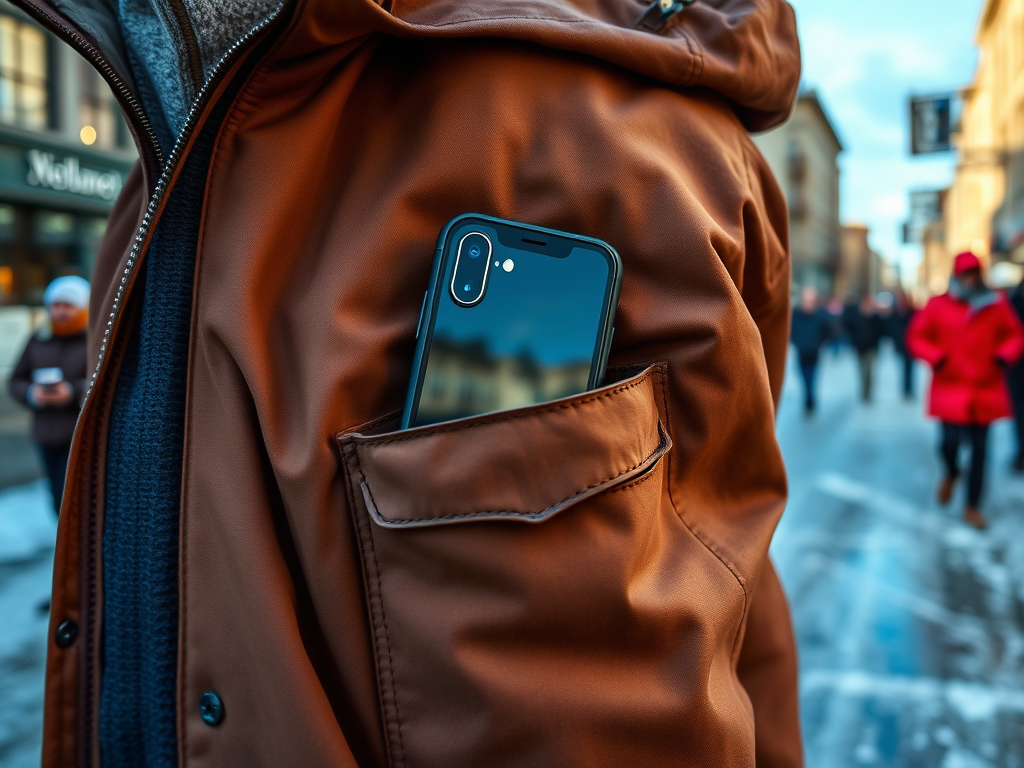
x,y
768,671
573,584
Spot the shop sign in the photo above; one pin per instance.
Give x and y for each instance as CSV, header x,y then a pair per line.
x,y
932,123
925,210
68,175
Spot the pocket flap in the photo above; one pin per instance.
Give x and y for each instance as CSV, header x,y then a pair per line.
x,y
526,464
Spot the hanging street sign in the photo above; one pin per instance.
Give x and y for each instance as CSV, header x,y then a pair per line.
x,y
931,124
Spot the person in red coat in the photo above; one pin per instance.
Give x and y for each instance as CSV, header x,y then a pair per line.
x,y
969,336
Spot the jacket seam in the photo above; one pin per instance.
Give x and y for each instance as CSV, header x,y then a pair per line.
x,y
229,122
484,20
512,417
662,373
529,515
780,262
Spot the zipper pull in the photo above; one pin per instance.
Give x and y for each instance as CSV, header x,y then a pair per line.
x,y
660,13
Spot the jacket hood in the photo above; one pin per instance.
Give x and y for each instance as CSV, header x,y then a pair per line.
x,y
163,52
745,50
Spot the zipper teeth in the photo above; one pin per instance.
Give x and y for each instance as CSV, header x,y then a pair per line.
x,y
161,187
130,266
96,57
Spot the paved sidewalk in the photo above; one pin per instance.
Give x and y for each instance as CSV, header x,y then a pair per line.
x,y
910,624
27,530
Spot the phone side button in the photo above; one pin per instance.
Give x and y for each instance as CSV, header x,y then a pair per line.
x,y
423,309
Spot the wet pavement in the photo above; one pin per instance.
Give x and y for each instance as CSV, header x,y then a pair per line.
x,y
27,529
911,625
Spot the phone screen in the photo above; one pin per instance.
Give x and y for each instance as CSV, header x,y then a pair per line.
x,y
533,336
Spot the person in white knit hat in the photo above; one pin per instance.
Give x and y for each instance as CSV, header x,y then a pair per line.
x,y
50,377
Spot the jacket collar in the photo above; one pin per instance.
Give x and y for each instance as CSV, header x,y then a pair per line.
x,y
977,299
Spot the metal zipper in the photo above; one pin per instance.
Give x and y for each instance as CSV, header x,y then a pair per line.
x,y
158,192
154,162
198,104
188,36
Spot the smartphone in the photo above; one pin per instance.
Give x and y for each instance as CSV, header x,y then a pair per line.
x,y
47,377
514,315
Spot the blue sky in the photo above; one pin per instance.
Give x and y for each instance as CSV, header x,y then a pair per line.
x,y
865,58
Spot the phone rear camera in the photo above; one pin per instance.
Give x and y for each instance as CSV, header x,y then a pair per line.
x,y
469,280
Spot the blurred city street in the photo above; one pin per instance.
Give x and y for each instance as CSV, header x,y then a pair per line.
x,y
911,624
27,530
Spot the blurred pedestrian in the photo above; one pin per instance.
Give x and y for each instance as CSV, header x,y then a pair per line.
x,y
809,332
864,327
1015,381
897,323
970,336
50,376
837,333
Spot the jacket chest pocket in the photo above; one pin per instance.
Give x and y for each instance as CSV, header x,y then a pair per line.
x,y
511,562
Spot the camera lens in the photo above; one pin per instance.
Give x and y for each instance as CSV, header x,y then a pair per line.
x,y
469,278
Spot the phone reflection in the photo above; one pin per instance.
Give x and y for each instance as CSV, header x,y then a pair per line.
x,y
465,378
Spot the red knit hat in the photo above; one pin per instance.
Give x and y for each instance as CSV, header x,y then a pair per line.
x,y
965,262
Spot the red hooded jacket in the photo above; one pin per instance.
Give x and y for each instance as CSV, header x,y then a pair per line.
x,y
969,348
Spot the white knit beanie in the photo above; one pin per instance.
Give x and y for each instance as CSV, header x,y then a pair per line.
x,y
69,289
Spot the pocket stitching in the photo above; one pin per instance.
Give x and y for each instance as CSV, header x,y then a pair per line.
x,y
646,477
664,446
375,604
512,417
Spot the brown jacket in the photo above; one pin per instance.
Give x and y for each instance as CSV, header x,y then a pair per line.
x,y
343,587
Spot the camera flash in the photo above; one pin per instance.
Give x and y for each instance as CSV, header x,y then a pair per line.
x,y
508,265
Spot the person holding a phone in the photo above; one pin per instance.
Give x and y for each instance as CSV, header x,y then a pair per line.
x,y
50,376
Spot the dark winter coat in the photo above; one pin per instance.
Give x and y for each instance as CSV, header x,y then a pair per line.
x,y
52,426
969,350
809,332
896,326
1015,376
865,330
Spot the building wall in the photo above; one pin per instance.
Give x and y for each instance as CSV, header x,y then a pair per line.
x,y
936,266
64,153
984,210
803,155
860,267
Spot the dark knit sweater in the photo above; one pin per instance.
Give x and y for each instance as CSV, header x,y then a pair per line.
x,y
143,487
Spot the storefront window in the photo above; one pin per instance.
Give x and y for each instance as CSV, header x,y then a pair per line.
x,y
38,244
54,228
99,118
23,74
